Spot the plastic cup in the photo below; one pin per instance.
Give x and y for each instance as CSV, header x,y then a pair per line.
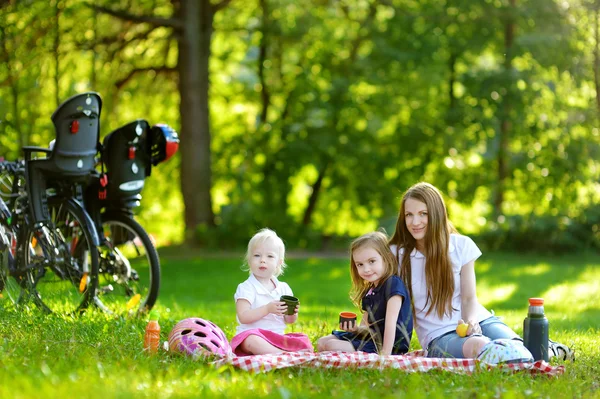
x,y
348,316
291,302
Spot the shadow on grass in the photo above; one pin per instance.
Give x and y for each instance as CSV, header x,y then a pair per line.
x,y
581,321
526,276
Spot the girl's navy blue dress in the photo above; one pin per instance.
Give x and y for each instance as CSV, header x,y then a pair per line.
x,y
375,304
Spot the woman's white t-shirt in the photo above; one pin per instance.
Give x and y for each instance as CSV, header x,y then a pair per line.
x,y
258,295
462,251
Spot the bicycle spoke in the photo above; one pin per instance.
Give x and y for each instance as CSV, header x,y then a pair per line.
x,y
60,262
129,271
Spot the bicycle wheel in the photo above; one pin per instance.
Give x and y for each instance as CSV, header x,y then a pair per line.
x,y
62,260
129,275
11,284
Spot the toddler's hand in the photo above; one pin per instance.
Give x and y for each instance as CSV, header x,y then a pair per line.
x,y
291,318
277,307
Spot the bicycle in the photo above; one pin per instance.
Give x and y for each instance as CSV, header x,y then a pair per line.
x,y
11,283
129,269
55,261
36,259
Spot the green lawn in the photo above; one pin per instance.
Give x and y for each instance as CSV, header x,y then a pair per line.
x,y
96,356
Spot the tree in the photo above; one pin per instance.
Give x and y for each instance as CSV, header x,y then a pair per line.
x,y
192,26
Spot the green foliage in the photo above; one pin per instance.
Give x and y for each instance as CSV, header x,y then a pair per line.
x,y
100,356
545,233
323,112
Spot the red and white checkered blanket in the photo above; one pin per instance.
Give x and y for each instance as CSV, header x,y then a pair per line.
x,y
411,362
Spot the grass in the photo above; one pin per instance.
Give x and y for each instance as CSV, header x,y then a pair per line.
x,y
96,356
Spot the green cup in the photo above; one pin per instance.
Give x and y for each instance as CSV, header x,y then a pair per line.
x,y
291,302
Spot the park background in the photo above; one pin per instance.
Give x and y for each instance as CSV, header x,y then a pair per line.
x,y
312,117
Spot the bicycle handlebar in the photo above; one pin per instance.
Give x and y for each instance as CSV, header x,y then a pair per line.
x,y
12,166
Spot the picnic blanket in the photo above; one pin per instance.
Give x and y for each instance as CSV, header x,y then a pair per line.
x,y
411,362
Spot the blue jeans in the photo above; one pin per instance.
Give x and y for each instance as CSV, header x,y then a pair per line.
x,y
451,345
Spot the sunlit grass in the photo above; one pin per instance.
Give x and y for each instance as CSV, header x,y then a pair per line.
x,y
99,356
576,296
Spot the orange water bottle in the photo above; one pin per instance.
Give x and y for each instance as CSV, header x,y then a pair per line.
x,y
152,335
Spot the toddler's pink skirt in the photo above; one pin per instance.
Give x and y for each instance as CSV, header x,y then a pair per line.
x,y
292,342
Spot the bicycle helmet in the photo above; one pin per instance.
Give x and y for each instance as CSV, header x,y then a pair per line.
x,y
164,143
193,336
504,351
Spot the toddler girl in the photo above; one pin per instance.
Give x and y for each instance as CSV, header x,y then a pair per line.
x,y
260,313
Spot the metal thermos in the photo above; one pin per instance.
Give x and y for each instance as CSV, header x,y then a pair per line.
x,y
535,330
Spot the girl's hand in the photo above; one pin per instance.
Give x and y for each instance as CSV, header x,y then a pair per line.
x,y
277,307
474,327
349,326
384,352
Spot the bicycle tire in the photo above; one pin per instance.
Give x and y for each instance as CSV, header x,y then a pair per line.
x,y
129,266
11,285
62,266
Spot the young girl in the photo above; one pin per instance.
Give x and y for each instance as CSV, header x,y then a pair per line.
x,y
260,313
438,267
387,324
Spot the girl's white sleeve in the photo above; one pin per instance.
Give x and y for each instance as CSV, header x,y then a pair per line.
x,y
468,250
245,291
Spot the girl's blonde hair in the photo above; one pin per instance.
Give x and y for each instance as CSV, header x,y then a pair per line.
x,y
379,242
260,238
438,268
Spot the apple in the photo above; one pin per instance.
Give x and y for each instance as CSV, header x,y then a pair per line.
x,y
461,329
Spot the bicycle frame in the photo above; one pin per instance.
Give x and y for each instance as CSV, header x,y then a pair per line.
x,y
35,249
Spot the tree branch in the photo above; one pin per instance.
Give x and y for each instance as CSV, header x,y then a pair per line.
x,y
108,40
262,56
122,82
149,19
359,39
220,5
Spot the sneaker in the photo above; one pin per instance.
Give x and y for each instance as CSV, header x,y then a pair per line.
x,y
560,351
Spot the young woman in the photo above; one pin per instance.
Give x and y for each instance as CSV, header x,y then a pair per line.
x,y
438,267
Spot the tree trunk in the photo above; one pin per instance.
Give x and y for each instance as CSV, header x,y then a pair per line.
x,y
13,81
505,123
597,59
262,56
193,65
314,195
55,49
451,83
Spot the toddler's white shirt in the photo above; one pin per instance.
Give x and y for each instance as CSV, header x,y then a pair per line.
x,y
256,293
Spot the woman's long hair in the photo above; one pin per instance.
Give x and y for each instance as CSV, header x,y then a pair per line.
x,y
438,268
379,242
